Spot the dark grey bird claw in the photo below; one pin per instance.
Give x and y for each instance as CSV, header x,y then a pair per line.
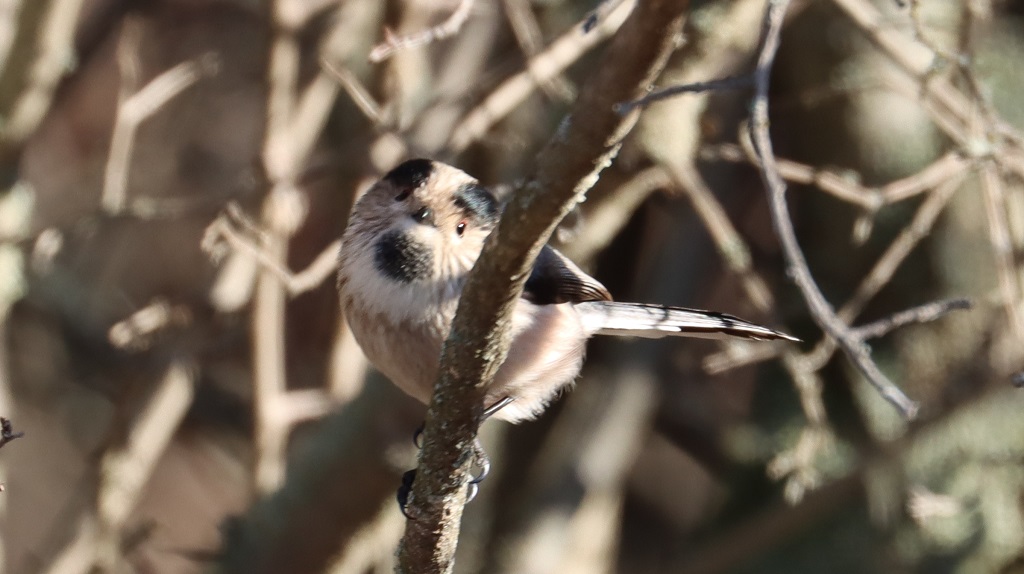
x,y
404,490
417,437
480,460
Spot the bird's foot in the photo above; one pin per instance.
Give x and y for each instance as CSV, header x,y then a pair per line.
x,y
480,461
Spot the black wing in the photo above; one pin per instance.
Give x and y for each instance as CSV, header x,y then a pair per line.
x,y
555,279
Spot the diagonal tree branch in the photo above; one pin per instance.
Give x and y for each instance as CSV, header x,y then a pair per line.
x,y
569,165
822,312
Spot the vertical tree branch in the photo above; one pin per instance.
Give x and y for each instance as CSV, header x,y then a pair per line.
x,y
132,111
295,119
569,165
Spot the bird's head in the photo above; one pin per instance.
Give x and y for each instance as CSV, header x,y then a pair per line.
x,y
421,226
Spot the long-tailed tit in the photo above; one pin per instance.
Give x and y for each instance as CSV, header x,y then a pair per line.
x,y
410,242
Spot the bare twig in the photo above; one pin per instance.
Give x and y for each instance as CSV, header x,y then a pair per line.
x,y
1002,249
294,122
137,330
953,111
798,463
10,12
731,247
920,314
361,97
528,36
567,167
949,166
924,220
55,56
222,230
125,472
879,275
800,474
846,188
283,213
548,64
393,43
820,309
730,83
606,217
961,61
135,109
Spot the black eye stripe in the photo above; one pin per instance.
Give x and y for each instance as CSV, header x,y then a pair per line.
x,y
404,195
477,202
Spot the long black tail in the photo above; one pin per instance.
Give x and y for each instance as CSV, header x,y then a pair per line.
x,y
656,321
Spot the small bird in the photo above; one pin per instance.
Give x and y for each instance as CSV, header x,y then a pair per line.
x,y
411,241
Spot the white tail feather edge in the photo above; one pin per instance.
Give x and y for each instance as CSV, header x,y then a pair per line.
x,y
656,321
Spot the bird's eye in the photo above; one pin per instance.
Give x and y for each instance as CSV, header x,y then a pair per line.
x,y
421,214
404,195
460,228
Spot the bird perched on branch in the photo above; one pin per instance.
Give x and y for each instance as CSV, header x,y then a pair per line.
x,y
410,242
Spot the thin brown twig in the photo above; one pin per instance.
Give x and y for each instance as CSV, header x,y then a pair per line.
x,y
125,472
730,83
954,112
837,184
360,96
295,120
10,13
1002,250
885,267
281,219
136,108
921,314
846,188
393,43
941,170
296,283
731,246
568,48
879,275
819,307
528,35
55,49
961,60
736,254
607,216
138,330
